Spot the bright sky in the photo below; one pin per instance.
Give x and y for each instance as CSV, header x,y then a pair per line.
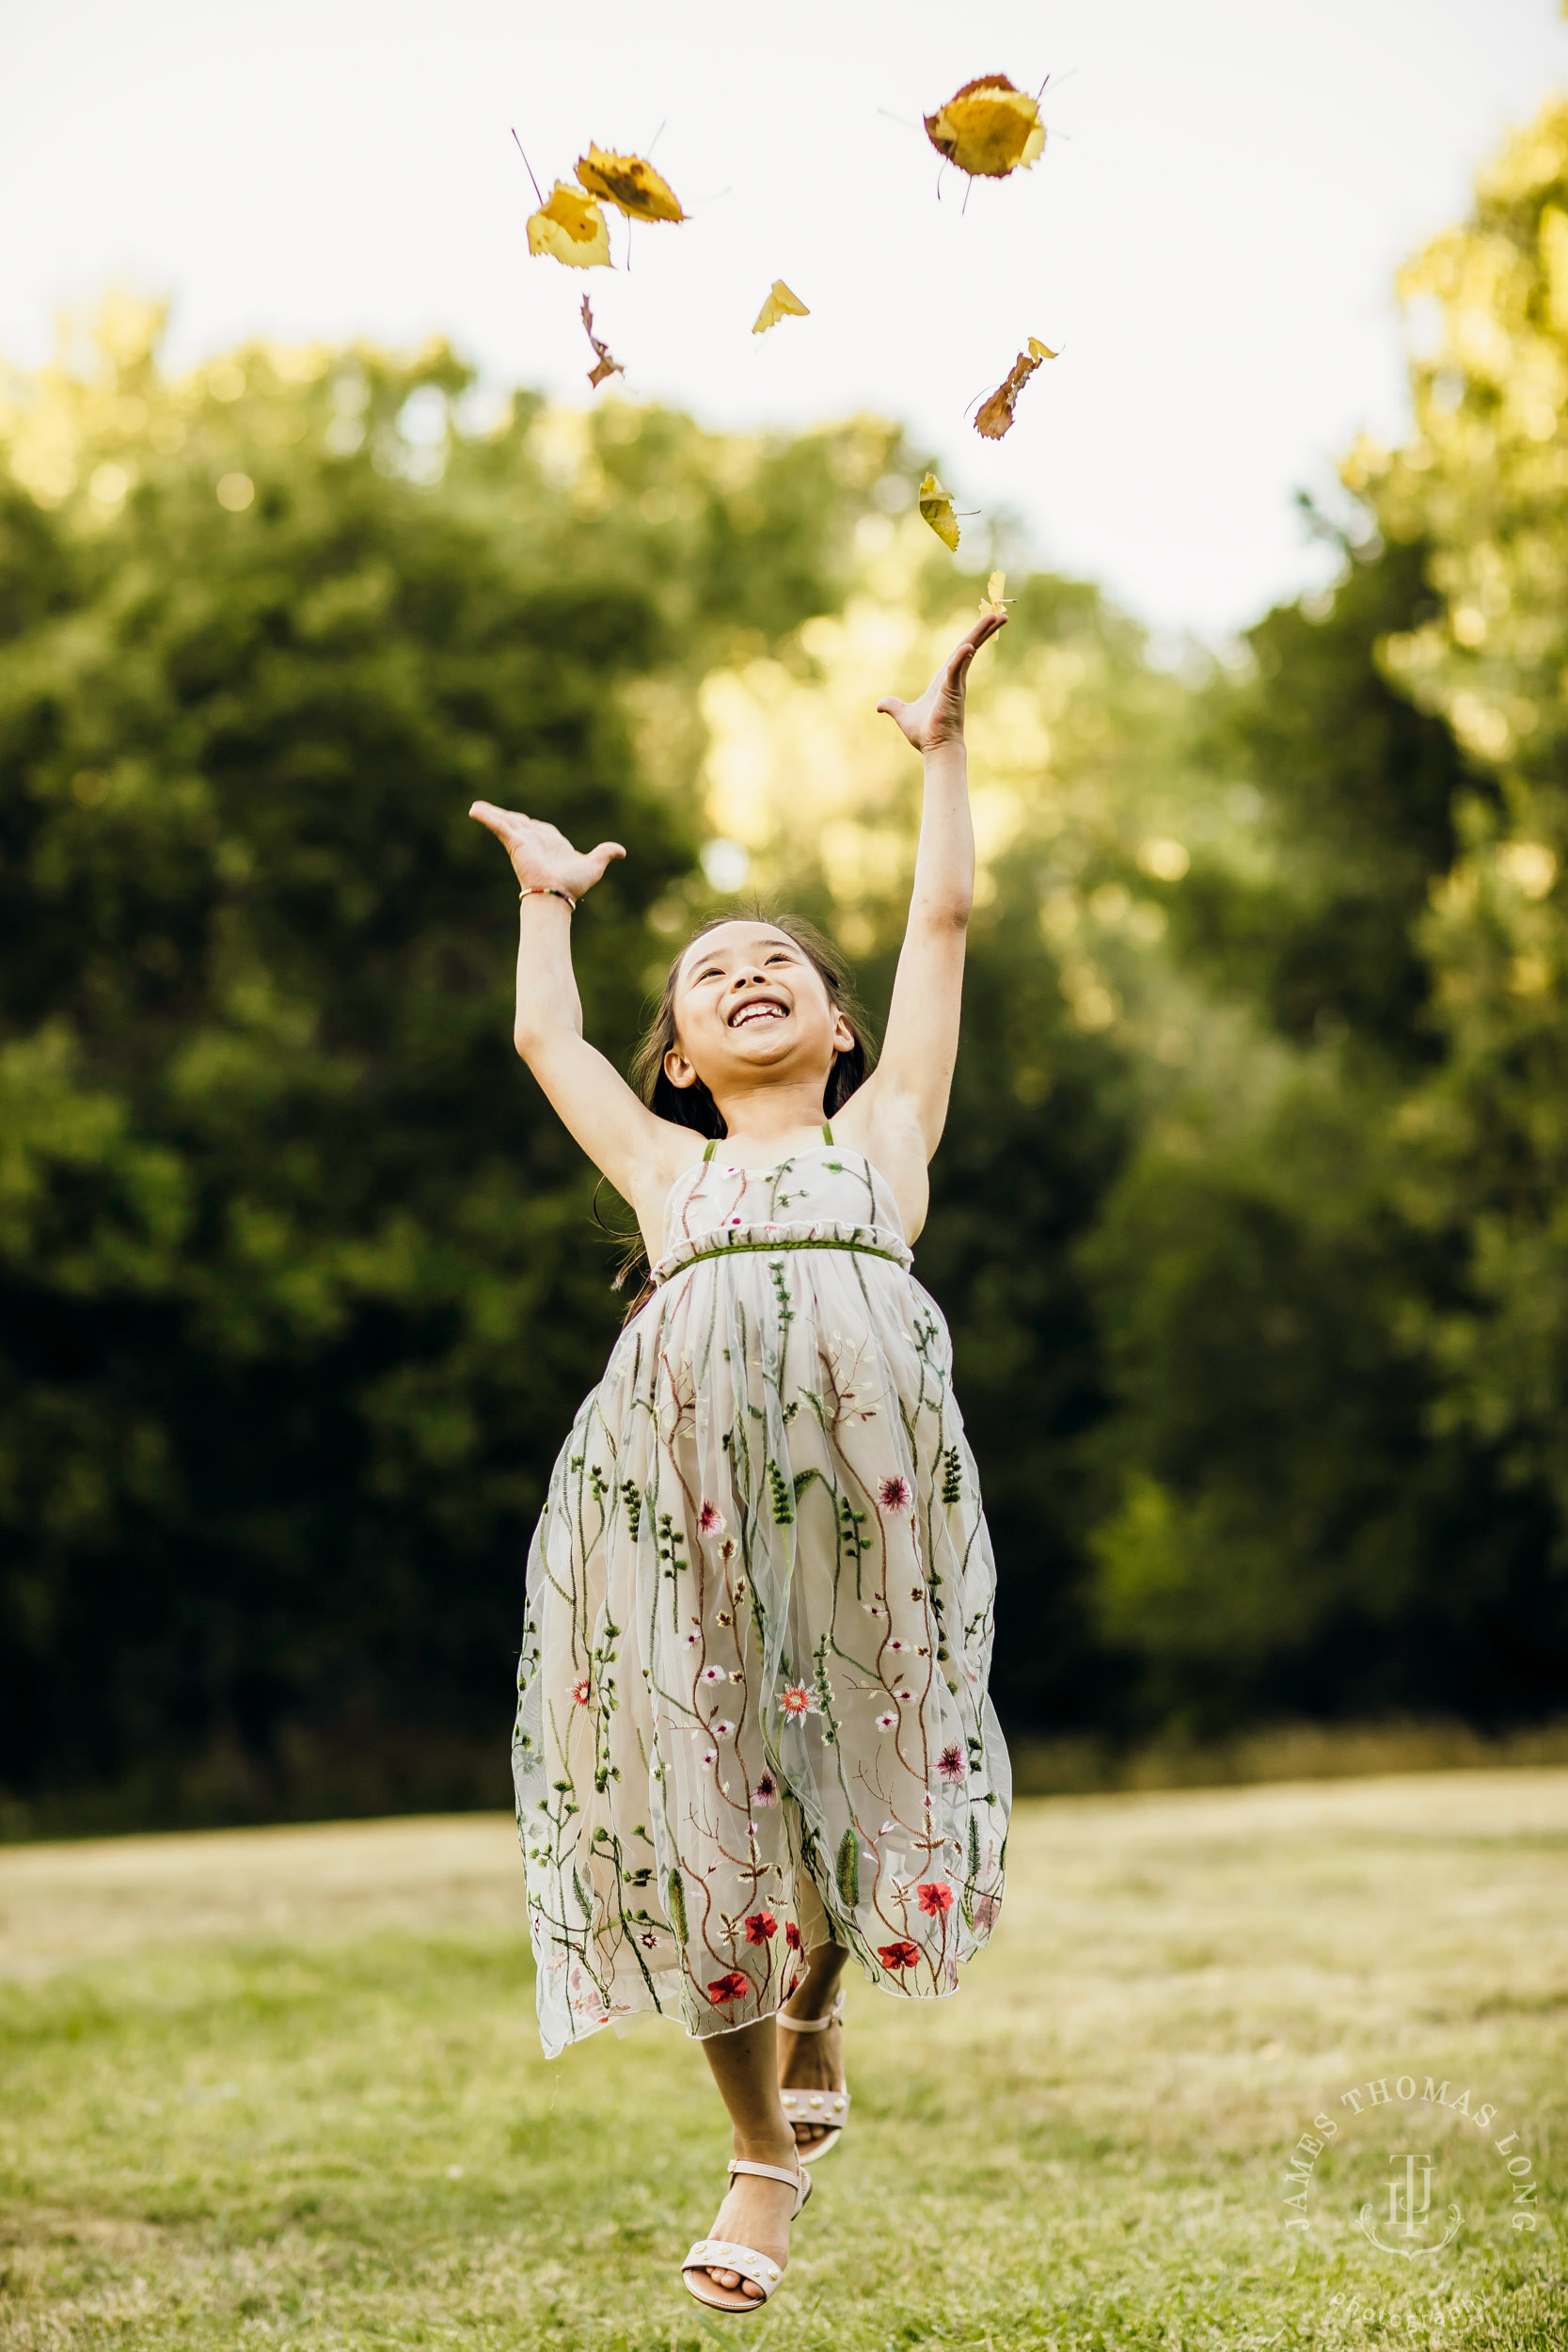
x,y
1212,233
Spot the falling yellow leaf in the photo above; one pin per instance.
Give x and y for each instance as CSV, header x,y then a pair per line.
x,y
996,414
632,184
604,364
571,229
936,508
988,128
994,600
780,304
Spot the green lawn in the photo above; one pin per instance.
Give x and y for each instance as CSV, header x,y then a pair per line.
x,y
282,2087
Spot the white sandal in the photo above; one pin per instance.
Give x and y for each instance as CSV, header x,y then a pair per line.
x,y
828,2107
721,2253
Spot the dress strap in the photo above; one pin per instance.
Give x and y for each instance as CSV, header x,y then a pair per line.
x,y
713,1146
827,1131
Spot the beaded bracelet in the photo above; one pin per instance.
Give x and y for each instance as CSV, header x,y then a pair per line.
x,y
544,890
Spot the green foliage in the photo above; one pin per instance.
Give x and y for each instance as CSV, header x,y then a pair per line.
x,y
1286,1525
297,1272
1359,795
1249,1223
1484,483
1337,1284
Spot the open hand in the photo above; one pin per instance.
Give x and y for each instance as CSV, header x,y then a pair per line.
x,y
542,857
938,717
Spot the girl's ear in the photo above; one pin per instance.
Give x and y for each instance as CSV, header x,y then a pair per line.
x,y
678,1070
844,1035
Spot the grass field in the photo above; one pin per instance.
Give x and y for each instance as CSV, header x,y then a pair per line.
x,y
282,2087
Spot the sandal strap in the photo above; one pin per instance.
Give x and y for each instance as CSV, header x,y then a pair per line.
x,y
800,2179
812,2024
720,2253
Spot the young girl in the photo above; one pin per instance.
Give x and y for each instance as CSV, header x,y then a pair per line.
x,y
754,1735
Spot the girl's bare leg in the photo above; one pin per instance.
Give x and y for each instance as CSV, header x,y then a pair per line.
x,y
745,2066
814,2061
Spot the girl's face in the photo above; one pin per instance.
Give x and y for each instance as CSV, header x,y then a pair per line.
x,y
749,1002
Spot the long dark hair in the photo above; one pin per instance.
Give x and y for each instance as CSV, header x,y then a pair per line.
x,y
693,1105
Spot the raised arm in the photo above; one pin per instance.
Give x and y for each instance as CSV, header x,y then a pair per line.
x,y
912,1082
620,1135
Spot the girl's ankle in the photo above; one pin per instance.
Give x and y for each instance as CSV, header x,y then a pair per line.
x,y
770,2149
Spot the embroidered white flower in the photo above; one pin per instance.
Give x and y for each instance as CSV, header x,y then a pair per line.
x,y
886,1721
714,1674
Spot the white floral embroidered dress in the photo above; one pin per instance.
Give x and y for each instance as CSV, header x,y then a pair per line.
x,y
753,1682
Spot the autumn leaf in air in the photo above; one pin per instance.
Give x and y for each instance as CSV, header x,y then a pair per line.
x,y
604,365
631,183
988,128
936,508
780,304
570,228
995,415
994,602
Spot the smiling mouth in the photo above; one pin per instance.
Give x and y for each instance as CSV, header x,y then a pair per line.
x,y
756,1008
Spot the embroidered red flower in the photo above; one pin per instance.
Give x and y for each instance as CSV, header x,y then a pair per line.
x,y
900,1955
796,1698
950,1763
760,1926
792,1936
710,1520
582,1692
766,1791
936,1896
733,1987
894,1494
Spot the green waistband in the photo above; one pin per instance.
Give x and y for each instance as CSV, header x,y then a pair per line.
x,y
767,1249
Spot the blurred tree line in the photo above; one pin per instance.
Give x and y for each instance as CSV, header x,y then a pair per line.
x,y
1249,1221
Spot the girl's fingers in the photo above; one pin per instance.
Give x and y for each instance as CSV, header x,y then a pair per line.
x,y
986,625
894,708
600,857
498,820
969,645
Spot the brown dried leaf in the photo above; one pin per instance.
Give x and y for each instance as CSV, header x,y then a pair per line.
x,y
606,365
989,128
995,415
